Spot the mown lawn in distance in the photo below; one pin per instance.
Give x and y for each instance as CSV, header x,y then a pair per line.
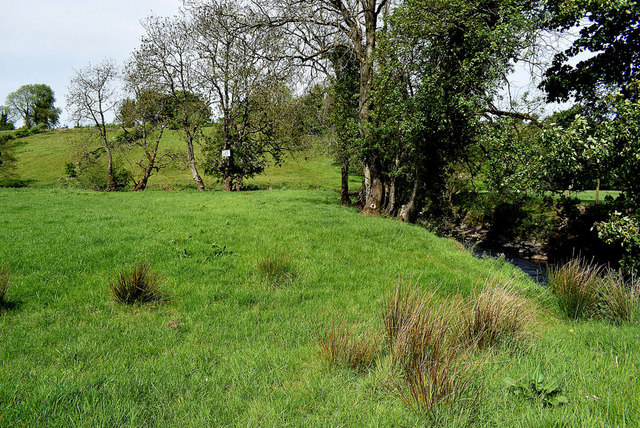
x,y
229,348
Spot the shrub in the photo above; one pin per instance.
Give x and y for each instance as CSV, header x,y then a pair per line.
x,y
618,298
138,285
577,287
499,314
343,346
427,349
5,282
276,269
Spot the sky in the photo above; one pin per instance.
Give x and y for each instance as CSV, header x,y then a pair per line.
x,y
44,41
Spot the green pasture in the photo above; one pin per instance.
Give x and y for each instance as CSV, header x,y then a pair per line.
x,y
229,348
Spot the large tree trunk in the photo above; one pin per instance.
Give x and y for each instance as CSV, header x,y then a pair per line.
x,y
192,163
409,211
344,188
392,194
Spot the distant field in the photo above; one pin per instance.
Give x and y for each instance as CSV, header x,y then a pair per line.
x,y
42,158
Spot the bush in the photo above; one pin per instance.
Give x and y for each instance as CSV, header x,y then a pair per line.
x,y
5,282
93,176
499,314
576,285
138,285
343,346
276,269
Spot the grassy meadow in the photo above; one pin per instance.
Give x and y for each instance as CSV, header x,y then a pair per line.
x,y
232,347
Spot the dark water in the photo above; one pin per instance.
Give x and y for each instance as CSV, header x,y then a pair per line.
x,y
537,271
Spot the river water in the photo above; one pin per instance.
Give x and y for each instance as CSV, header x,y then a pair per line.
x,y
537,271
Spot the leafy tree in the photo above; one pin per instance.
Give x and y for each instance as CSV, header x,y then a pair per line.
x,y
242,67
92,94
441,65
167,56
144,120
5,123
35,105
609,32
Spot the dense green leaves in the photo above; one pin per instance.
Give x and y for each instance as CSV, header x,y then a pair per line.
x,y
35,105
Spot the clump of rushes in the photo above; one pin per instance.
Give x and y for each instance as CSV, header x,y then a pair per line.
x,y
426,347
5,282
276,269
618,298
342,345
138,285
577,286
499,314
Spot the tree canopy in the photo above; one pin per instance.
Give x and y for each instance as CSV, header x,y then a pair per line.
x,y
35,105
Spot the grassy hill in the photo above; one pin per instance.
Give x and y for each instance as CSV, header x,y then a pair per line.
x,y
232,347
42,158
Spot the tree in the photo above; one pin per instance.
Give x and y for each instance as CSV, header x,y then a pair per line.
x,y
242,67
440,66
316,28
609,33
148,114
35,105
168,57
344,113
5,123
91,95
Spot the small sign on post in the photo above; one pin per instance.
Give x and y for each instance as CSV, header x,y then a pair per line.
x,y
226,153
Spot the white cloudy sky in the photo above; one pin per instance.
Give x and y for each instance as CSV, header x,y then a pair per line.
x,y
43,41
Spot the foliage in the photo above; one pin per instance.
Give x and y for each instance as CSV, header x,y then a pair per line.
x,y
548,392
7,157
441,64
342,345
624,231
35,105
138,285
5,123
608,30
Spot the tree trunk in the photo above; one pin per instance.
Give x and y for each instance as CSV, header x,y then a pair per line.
x,y
374,189
392,196
192,163
409,211
344,188
237,186
597,191
110,179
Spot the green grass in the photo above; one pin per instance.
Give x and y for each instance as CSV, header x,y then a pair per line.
x,y
228,349
42,158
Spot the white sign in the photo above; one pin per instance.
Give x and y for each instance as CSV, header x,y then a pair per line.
x,y
226,153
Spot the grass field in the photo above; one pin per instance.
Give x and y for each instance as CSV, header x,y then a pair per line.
x,y
230,348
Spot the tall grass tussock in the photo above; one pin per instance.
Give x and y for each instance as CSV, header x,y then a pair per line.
x,y
499,314
576,285
138,285
276,269
343,346
428,348
5,282
586,290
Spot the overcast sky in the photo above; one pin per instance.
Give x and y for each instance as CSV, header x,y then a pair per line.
x,y
43,41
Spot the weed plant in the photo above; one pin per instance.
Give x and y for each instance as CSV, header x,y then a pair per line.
x,y
343,346
138,285
499,314
576,285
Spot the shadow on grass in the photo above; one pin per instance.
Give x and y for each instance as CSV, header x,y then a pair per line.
x,y
16,183
6,306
